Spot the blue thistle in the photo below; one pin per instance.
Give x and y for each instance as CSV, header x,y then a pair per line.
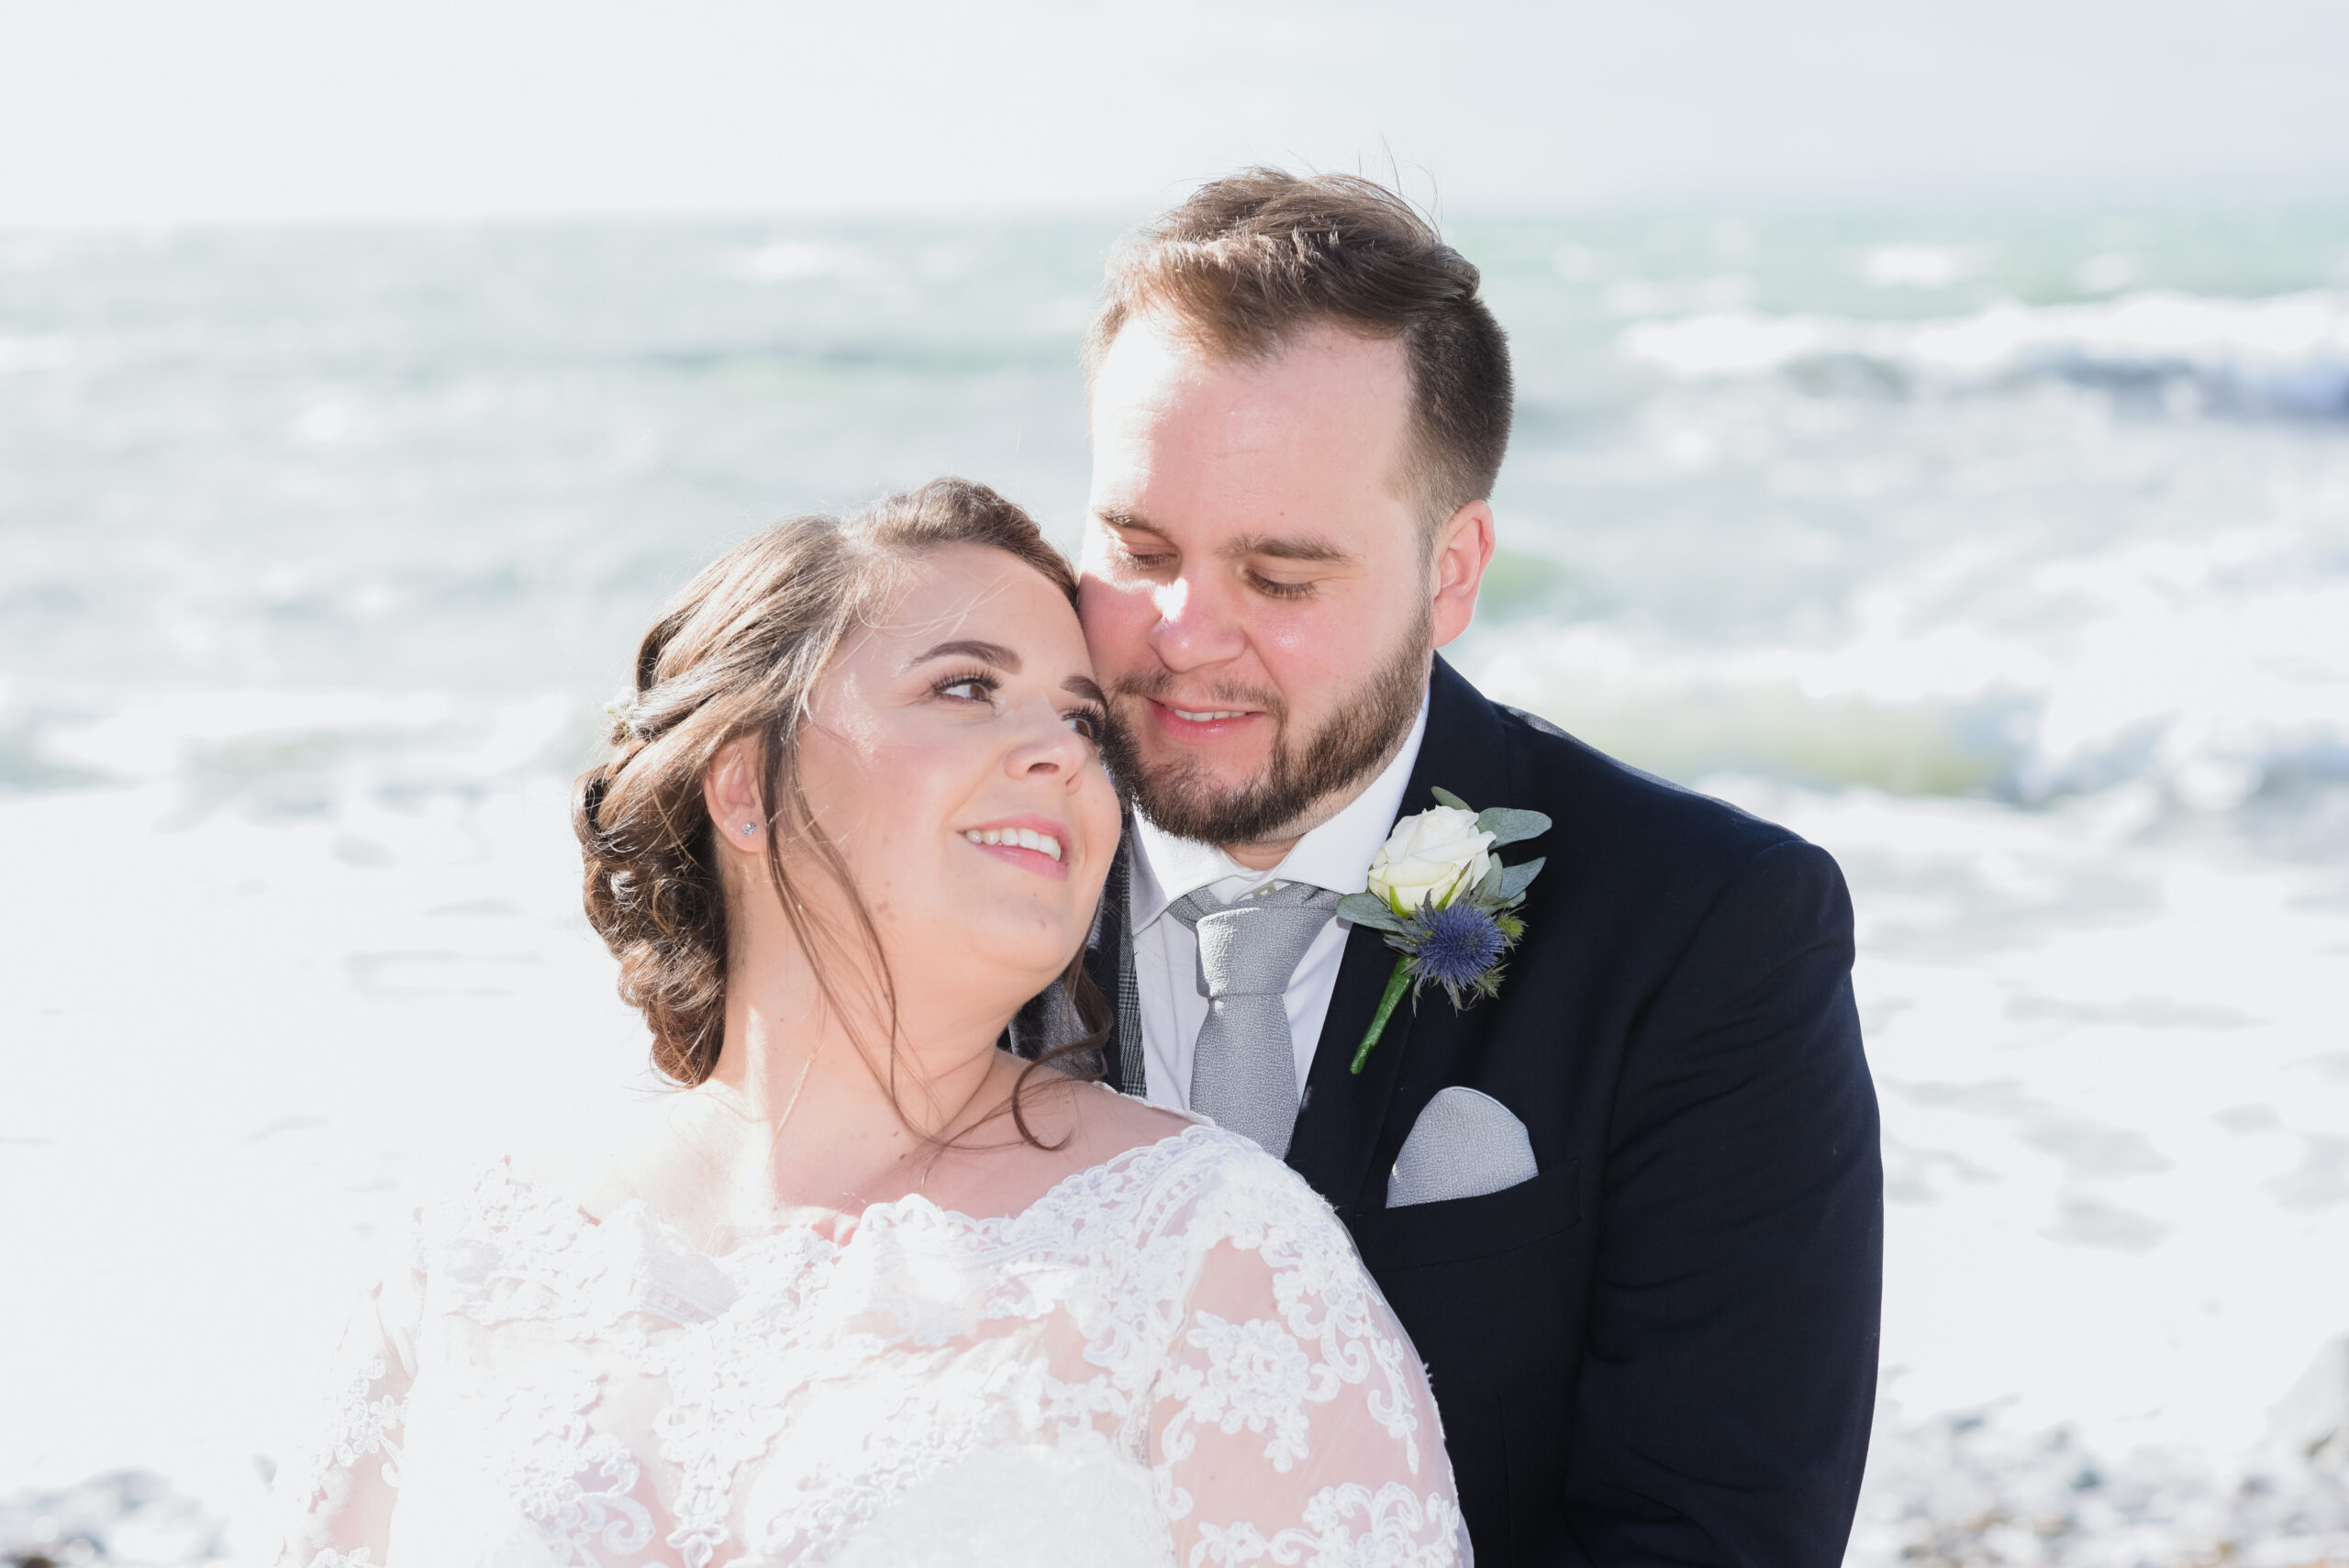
x,y
1459,947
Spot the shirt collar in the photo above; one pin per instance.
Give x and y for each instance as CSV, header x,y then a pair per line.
x,y
1336,855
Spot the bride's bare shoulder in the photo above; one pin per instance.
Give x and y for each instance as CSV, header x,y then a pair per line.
x,y
1100,1124
608,1152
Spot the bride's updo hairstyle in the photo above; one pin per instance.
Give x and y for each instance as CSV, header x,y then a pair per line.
x,y
738,653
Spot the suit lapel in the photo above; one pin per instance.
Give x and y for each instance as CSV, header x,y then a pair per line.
x,y
1110,963
1338,1126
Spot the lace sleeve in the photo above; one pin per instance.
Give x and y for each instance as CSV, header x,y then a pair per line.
x,y
1292,1421
334,1495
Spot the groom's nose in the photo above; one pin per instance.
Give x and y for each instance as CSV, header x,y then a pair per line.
x,y
1197,626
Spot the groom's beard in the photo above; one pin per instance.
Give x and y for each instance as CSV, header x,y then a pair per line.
x,y
1303,771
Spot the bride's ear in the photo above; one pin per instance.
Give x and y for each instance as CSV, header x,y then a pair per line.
x,y
731,789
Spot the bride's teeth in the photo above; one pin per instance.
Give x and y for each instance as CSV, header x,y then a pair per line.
x,y
1018,838
1043,843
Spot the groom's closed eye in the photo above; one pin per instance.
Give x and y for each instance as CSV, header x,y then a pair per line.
x,y
1262,556
1132,537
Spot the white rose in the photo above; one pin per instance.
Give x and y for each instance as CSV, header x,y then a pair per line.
x,y
1433,856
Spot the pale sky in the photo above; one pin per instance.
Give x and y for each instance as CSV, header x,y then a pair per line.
x,y
166,111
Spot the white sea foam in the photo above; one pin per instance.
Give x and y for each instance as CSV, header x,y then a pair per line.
x,y
263,1041
790,260
1916,266
2115,1092
2208,670
34,352
2288,354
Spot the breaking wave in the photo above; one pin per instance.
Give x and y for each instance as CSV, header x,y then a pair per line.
x,y
2214,672
2284,355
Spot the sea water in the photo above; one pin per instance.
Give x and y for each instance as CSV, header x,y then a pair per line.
x,y
2008,558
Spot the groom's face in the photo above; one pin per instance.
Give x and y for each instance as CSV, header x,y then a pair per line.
x,y
1258,589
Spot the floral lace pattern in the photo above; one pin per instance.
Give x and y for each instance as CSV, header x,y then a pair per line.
x,y
1171,1357
1343,1525
355,1447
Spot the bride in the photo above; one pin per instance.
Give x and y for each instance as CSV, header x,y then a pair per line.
x,y
866,1288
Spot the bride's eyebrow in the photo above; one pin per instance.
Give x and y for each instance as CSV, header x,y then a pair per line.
x,y
994,654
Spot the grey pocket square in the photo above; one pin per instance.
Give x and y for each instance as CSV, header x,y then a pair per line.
x,y
1464,1144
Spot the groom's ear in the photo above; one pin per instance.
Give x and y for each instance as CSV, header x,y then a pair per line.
x,y
1463,547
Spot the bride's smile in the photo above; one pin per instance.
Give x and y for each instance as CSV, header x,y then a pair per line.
x,y
1034,844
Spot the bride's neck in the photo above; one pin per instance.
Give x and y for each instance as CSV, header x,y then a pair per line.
x,y
816,1108
776,1066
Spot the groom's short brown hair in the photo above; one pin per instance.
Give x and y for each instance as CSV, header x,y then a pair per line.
x,y
1249,261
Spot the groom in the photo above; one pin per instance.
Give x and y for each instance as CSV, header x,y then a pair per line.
x,y
1629,1207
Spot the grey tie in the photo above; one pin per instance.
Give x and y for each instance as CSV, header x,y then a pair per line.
x,y
1244,1069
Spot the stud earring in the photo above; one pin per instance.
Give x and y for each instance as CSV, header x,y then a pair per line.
x,y
750,827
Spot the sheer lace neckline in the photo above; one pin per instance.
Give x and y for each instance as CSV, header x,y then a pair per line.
x,y
1170,1355
913,1210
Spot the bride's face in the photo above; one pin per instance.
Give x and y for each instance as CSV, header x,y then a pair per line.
x,y
952,756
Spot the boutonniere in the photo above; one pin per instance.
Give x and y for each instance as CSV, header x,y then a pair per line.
x,y
1445,902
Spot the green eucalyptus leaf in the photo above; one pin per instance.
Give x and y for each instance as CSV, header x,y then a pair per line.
x,y
1509,826
1514,880
1445,797
1369,910
1489,887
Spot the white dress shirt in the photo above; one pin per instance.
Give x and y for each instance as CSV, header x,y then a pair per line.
x,y
1336,855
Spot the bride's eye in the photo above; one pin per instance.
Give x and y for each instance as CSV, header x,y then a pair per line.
x,y
966,688
1086,721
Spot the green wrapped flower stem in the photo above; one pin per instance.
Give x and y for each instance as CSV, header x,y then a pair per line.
x,y
1397,984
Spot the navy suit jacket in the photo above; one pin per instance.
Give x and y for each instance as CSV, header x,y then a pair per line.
x,y
1663,1348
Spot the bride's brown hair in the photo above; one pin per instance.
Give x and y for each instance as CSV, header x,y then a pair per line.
x,y
738,653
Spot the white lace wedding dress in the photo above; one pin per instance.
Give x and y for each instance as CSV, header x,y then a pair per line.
x,y
1172,1357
